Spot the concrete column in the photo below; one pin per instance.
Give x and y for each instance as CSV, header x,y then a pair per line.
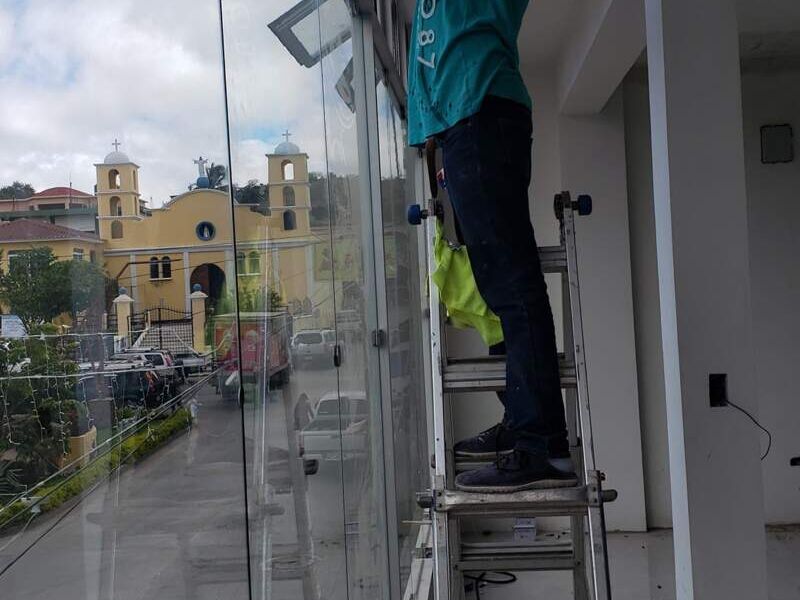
x,y
704,290
592,152
198,299
134,282
187,275
124,307
230,272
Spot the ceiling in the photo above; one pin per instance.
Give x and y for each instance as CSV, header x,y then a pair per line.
x,y
770,28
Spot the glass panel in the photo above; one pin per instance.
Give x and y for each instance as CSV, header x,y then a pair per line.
x,y
295,452
120,462
403,296
354,288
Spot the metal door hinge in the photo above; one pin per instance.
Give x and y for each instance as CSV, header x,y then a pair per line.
x,y
378,338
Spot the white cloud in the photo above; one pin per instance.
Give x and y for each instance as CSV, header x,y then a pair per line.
x,y
149,72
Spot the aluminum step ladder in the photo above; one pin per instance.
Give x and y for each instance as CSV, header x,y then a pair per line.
x,y
582,549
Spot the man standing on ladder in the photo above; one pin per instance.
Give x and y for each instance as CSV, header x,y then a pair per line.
x,y
466,92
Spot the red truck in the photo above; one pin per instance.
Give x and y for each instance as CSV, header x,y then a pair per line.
x,y
265,351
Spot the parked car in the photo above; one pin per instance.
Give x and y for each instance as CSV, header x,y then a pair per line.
x,y
11,327
137,383
162,361
313,347
339,427
190,361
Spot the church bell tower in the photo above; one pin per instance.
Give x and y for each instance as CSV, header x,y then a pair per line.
x,y
118,198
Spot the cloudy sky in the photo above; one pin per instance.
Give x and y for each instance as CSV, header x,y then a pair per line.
x,y
76,74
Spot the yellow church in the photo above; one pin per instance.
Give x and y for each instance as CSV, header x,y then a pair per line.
x,y
159,255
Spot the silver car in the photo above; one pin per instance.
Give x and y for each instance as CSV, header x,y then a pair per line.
x,y
313,347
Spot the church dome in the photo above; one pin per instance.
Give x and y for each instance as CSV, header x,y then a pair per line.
x,y
287,147
116,158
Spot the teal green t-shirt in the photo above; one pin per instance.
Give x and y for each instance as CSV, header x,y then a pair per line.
x,y
461,51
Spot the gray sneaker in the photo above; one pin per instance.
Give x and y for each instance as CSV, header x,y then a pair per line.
x,y
487,445
515,472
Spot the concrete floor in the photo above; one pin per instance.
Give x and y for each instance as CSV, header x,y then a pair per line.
x,y
173,528
642,568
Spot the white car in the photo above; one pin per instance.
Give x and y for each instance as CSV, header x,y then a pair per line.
x,y
11,327
313,347
339,427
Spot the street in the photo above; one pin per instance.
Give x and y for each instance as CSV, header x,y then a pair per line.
x,y
173,526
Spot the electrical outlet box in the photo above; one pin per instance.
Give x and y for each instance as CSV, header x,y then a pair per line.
x,y
718,389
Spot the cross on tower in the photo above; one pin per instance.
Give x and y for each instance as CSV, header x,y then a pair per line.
x,y
201,165
116,144
286,134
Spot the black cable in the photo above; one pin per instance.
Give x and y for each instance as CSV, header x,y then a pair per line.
x,y
761,427
483,579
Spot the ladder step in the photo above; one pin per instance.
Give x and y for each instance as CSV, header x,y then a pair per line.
x,y
488,374
529,503
553,259
522,561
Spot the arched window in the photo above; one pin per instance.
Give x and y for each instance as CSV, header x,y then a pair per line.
x,y
154,267
135,181
116,230
254,262
240,262
116,206
289,220
288,196
166,267
113,179
287,168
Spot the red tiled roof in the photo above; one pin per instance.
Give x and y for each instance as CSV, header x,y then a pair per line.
x,y
29,230
61,192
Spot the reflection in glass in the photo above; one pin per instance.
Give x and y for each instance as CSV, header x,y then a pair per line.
x,y
120,459
293,412
405,327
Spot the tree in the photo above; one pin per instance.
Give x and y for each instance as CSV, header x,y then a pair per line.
x,y
37,288
83,285
39,414
26,287
254,192
17,191
216,175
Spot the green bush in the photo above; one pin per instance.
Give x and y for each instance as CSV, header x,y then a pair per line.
x,y
130,451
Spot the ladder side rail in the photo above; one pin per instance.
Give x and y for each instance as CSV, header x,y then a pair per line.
x,y
441,543
600,581
580,575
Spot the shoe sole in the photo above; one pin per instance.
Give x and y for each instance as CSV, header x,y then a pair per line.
x,y
466,455
541,484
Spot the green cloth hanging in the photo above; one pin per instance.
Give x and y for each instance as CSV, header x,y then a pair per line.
x,y
459,292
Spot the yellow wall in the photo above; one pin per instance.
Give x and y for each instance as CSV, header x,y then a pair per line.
x,y
61,248
171,230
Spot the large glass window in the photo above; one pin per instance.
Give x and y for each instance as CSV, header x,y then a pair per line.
x,y
403,294
121,454
215,404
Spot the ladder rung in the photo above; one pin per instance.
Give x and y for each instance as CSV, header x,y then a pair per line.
x,y
488,374
553,501
535,561
553,259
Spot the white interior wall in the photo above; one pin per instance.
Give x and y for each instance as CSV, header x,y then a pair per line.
x,y
647,315
593,161
773,191
774,231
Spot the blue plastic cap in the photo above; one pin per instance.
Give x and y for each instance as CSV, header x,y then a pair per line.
x,y
414,214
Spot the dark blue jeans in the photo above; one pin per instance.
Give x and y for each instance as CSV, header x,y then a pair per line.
x,y
487,161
